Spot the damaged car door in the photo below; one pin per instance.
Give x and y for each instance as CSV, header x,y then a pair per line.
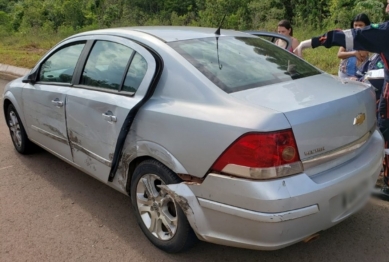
x,y
114,78
44,99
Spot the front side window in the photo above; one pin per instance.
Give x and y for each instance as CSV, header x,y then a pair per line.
x,y
240,63
106,65
60,66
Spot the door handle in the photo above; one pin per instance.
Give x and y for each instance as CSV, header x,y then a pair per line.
x,y
57,102
108,116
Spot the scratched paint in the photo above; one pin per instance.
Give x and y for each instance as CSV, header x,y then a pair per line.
x,y
55,130
125,163
135,147
182,201
124,167
89,163
54,137
73,138
90,154
130,153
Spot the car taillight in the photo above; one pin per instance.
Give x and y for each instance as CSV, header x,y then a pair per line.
x,y
261,156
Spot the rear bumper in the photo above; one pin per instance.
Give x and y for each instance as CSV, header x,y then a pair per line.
x,y
269,215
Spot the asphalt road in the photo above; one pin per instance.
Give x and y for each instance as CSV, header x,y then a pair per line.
x,y
50,211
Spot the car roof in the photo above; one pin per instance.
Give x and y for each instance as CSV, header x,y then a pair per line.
x,y
172,33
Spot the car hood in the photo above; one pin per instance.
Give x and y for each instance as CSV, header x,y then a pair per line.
x,y
321,110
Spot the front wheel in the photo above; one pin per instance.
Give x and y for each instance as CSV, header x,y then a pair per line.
x,y
18,134
159,216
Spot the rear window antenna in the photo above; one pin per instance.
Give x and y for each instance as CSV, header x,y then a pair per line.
x,y
217,32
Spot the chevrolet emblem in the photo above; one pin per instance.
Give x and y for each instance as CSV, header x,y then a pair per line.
x,y
359,119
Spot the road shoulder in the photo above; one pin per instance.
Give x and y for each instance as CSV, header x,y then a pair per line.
x,y
8,72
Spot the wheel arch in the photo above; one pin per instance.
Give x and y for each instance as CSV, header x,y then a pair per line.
x,y
6,103
149,150
10,99
131,168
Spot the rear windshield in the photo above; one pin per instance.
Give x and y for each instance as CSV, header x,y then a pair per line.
x,y
240,63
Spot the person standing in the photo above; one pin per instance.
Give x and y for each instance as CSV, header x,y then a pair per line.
x,y
349,63
285,28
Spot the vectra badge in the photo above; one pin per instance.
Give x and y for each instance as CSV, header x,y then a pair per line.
x,y
314,151
359,119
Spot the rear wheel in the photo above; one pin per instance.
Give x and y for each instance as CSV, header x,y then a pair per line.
x,y
159,216
18,134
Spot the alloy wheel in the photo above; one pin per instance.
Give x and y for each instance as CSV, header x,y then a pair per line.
x,y
157,209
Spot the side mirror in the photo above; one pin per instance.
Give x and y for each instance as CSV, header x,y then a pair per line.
x,y
31,78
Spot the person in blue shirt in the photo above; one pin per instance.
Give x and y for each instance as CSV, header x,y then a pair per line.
x,y
373,38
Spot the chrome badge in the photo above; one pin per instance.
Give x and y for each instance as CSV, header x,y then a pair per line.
x,y
359,119
314,151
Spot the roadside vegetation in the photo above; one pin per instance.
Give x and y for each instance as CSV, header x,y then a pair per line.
x,y
29,28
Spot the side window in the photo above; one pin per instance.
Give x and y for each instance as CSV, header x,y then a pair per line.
x,y
135,74
60,66
106,65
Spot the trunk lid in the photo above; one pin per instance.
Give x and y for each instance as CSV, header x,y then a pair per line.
x,y
324,113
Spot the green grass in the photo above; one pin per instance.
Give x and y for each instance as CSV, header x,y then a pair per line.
x,y
24,50
19,56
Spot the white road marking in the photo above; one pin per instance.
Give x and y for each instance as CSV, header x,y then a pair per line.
x,y
1,168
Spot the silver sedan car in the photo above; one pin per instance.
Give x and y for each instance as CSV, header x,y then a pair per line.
x,y
215,135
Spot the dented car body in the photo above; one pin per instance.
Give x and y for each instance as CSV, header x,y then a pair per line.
x,y
256,148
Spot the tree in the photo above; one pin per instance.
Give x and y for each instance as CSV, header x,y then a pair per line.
x,y
73,13
374,9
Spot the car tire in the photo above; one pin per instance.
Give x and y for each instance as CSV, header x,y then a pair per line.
x,y
154,212
18,134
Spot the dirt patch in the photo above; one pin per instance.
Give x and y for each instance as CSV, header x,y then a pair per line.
x,y
33,48
35,51
31,45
